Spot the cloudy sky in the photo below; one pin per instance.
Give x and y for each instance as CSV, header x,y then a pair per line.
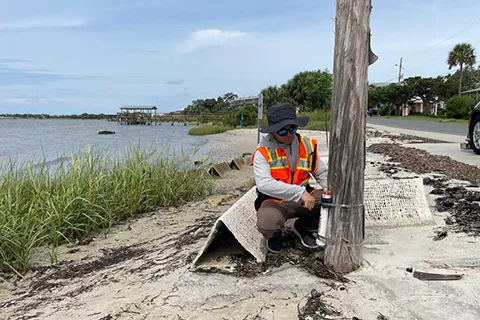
x,y
65,57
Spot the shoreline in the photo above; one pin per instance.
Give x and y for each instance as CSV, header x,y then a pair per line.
x,y
234,143
140,269
223,147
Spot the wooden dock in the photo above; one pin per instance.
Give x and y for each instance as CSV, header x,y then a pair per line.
x,y
148,116
137,115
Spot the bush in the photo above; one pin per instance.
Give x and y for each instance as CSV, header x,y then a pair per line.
x,y
230,120
441,112
459,107
317,119
414,113
383,111
317,125
250,115
318,115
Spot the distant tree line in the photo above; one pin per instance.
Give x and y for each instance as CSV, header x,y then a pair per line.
x,y
308,90
448,88
390,99
100,116
311,91
211,105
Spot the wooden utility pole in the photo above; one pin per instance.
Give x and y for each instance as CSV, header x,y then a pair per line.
x,y
399,82
325,114
352,56
400,71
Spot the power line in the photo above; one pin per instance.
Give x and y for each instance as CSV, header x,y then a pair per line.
x,y
436,57
450,37
456,34
391,68
474,23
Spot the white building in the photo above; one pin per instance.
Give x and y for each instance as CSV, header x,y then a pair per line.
x,y
245,101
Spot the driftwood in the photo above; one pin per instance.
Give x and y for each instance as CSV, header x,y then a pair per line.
x,y
436,276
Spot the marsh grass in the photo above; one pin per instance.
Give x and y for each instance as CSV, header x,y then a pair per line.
x,y
90,191
207,129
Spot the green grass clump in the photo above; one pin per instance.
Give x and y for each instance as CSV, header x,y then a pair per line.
x,y
317,119
40,205
317,125
208,129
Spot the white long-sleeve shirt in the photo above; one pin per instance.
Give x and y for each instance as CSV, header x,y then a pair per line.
x,y
268,185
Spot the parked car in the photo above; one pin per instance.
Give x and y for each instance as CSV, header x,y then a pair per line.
x,y
372,112
473,134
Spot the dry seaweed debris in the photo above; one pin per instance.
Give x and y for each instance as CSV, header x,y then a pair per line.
x,y
420,162
316,308
311,260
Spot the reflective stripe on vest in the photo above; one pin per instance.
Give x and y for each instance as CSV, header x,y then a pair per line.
x,y
279,165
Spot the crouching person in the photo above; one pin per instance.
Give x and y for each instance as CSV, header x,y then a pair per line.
x,y
283,163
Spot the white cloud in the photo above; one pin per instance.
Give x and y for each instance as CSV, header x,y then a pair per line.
x,y
43,23
40,100
25,97
207,38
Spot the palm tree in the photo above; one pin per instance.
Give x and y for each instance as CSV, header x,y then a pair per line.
x,y
463,54
271,96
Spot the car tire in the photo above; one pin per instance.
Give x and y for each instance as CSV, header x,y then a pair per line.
x,y
475,135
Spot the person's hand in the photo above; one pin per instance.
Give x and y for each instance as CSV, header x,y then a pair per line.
x,y
308,200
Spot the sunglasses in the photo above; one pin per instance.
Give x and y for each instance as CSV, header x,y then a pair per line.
x,y
284,132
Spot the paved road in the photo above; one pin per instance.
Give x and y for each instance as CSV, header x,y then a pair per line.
x,y
449,128
431,130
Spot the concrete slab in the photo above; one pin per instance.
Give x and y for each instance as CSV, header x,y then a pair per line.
x,y
240,221
394,203
237,163
219,169
247,160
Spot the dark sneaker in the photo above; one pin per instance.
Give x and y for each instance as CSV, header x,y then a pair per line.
x,y
307,238
275,243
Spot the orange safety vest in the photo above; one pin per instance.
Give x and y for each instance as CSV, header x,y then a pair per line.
x,y
279,165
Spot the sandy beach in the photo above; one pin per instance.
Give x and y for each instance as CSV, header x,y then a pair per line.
x,y
141,268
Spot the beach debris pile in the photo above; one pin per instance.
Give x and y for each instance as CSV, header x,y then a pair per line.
x,y
421,162
316,308
294,253
462,203
405,138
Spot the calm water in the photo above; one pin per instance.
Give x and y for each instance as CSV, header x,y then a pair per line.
x,y
52,138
